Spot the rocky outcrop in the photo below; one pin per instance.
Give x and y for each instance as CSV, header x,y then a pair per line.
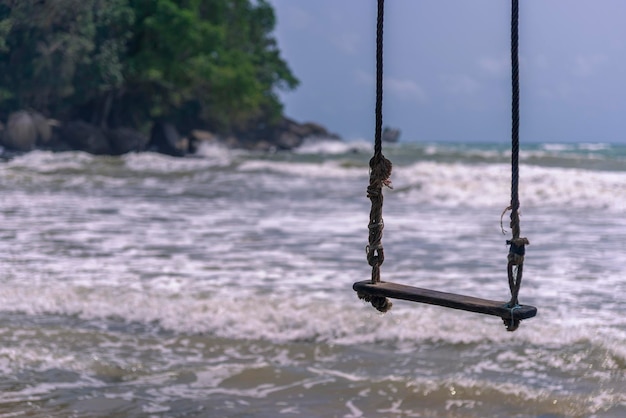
x,y
27,130
390,134
290,134
165,139
86,137
125,140
287,134
43,127
83,136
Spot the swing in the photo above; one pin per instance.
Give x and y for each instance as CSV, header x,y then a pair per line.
x,y
376,291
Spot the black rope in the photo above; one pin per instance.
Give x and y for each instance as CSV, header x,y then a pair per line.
x,y
514,110
379,78
517,250
380,171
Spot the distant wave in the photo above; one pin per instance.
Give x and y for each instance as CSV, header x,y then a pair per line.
x,y
333,147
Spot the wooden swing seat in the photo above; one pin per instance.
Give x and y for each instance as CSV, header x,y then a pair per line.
x,y
449,300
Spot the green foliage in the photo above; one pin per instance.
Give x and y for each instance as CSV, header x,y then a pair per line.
x,y
208,62
54,55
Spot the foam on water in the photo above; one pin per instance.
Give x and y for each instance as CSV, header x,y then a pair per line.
x,y
224,282
284,316
331,147
462,185
161,369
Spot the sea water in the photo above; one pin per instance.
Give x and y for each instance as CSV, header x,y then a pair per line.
x,y
221,285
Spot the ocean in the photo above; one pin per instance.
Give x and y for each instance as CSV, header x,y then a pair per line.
x,y
220,285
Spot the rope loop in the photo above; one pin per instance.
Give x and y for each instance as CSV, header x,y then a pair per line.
x,y
375,257
511,323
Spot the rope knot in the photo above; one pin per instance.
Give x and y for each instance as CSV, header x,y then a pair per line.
x,y
375,255
380,171
517,250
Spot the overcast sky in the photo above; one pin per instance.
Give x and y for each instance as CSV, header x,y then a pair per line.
x,y
447,68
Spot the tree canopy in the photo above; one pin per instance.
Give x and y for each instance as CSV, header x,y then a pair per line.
x,y
213,63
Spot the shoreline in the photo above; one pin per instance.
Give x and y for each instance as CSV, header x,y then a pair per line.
x,y
28,130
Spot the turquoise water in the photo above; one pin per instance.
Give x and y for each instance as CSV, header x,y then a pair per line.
x,y
221,285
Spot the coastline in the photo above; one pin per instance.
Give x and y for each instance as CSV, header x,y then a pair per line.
x,y
28,130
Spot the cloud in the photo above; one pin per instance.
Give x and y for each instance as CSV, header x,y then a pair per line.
x,y
346,42
587,65
460,84
404,89
561,91
363,77
497,67
296,18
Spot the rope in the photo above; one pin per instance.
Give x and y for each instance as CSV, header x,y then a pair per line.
x,y
515,266
379,79
380,171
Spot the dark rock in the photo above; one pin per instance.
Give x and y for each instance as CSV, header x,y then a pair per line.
x,y
197,137
289,134
124,140
390,134
57,142
314,130
288,140
86,137
43,127
165,139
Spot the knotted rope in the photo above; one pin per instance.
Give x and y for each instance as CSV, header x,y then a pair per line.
x,y
517,250
380,171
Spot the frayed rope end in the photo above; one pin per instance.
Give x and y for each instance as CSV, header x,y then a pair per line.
x,y
381,303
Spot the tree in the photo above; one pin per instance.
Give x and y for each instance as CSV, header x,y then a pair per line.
x,y
55,55
213,63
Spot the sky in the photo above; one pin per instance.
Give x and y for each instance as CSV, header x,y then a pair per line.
x,y
447,71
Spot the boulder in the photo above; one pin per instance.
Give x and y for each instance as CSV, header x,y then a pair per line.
x,y
314,130
86,137
43,127
165,139
390,134
289,134
124,140
21,132
197,137
288,140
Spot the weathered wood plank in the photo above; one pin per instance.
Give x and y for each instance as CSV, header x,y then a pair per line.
x,y
449,300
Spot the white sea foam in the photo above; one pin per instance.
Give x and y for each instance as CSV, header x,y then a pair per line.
x,y
333,147
49,162
462,185
286,316
327,169
147,163
229,277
